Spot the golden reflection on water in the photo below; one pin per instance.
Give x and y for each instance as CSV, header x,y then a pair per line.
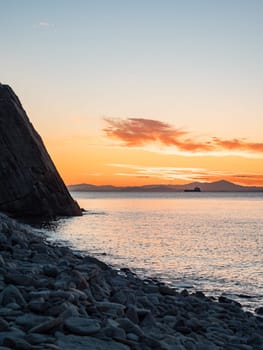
x,y
212,242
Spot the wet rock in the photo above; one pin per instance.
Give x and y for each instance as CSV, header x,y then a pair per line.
x,y
165,290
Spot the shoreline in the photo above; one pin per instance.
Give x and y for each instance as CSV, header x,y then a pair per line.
x,y
53,298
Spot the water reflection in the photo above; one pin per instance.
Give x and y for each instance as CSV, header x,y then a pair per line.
x,y
210,242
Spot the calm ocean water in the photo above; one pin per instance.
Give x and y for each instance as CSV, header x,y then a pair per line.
x,y
203,241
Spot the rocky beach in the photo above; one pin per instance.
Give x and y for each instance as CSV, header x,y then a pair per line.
x,y
53,298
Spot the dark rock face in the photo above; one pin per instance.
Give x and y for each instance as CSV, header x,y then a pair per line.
x,y
29,182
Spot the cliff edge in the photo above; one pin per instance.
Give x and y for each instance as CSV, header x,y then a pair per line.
x,y
29,182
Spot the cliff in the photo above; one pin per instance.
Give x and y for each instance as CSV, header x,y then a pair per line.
x,y
29,182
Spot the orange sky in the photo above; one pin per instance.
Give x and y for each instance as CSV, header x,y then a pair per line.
x,y
141,92
138,151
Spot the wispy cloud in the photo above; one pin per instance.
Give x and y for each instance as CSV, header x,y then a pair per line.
x,y
190,174
44,24
134,132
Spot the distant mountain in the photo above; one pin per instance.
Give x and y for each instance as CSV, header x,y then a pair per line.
x,y
218,186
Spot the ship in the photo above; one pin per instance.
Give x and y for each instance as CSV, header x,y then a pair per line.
x,y
196,189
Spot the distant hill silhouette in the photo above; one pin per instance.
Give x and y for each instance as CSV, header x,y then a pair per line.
x,y
218,186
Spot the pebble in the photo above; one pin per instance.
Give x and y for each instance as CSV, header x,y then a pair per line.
x,y
81,326
54,299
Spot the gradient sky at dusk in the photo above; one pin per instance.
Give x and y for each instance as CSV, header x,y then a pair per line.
x,y
129,92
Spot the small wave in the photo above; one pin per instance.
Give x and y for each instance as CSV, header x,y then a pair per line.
x,y
92,212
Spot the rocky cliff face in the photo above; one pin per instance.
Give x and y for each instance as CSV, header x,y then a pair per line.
x,y
29,182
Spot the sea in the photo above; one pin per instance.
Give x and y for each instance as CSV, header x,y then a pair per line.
x,y
210,242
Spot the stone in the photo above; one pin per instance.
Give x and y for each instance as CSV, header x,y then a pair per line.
x,y
11,294
12,334
19,279
16,343
28,321
70,342
111,309
36,338
3,325
29,182
130,327
114,332
46,346
82,326
259,310
50,270
165,290
47,327
132,315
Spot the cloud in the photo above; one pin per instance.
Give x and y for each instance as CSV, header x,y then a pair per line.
x,y
134,132
190,174
239,144
139,131
44,24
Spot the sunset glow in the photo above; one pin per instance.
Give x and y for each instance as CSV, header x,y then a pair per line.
x,y
138,92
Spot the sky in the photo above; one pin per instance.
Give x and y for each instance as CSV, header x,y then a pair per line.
x,y
134,92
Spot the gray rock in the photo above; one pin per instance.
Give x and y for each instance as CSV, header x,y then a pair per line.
x,y
28,321
82,326
165,290
70,342
48,326
3,325
30,183
132,315
38,306
50,270
12,334
114,332
111,309
16,343
259,310
2,261
11,294
35,338
130,327
46,346
19,279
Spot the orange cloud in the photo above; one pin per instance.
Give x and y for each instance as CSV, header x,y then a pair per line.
x,y
239,145
140,132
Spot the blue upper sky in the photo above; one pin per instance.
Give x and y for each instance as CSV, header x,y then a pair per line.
x,y
193,63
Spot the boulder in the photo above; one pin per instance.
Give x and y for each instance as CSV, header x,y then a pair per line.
x,y
30,185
